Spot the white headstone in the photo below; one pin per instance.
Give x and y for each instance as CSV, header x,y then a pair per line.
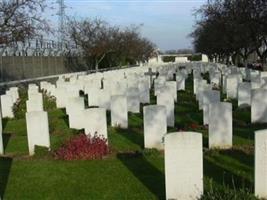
x,y
244,94
119,113
159,83
180,81
61,97
220,125
144,90
259,106
209,96
261,164
37,130
95,122
166,99
133,100
155,126
231,86
203,87
183,165
74,104
74,109
35,103
172,87
7,106
1,135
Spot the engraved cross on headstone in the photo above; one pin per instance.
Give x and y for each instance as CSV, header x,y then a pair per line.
x,y
151,74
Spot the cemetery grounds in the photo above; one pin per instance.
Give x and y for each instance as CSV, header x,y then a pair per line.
x,y
129,171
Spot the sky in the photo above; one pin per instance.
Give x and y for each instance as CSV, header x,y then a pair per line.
x,y
167,23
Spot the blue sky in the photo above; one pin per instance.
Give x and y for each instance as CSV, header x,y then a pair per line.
x,y
165,22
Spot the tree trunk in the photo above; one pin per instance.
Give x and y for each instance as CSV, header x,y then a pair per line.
x,y
96,66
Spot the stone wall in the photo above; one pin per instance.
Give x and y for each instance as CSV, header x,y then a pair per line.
x,y
27,67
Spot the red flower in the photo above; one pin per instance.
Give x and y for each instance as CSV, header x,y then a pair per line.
x,y
83,147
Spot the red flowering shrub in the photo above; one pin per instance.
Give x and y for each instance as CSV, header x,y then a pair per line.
x,y
194,126
83,147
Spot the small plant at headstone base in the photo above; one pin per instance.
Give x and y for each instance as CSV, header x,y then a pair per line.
x,y
49,102
215,87
220,193
41,152
19,108
83,147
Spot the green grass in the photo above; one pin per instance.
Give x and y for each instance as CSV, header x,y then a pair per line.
x,y
129,172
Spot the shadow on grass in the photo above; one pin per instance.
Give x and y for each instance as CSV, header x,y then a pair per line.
x,y
6,138
225,177
5,166
245,158
133,135
4,123
108,114
145,172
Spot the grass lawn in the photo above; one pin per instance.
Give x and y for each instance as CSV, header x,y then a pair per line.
x,y
129,172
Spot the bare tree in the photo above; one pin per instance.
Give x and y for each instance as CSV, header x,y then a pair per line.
x,y
21,20
100,41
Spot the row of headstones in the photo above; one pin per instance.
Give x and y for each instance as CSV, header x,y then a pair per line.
x,y
252,92
154,114
166,95
92,120
184,149
6,110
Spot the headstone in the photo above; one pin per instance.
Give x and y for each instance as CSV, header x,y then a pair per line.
x,y
183,165
180,81
74,104
261,164
133,100
200,85
203,87
104,99
215,79
61,97
32,89
244,94
166,99
15,92
7,106
220,125
258,106
1,135
35,103
155,126
159,83
144,91
150,73
93,96
231,86
172,85
75,110
37,130
209,96
119,113
95,122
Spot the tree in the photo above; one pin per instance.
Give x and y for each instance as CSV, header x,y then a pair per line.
x,y
21,20
102,43
230,28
